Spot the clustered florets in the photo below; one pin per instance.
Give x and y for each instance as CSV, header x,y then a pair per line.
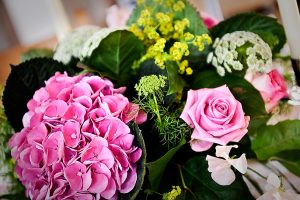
x,y
156,29
233,47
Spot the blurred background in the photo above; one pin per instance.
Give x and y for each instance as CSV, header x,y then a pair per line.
x,y
42,23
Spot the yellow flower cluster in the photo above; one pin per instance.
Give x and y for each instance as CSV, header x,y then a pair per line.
x,y
156,29
175,192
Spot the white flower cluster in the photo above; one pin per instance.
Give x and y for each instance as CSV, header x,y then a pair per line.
x,y
93,42
71,46
226,56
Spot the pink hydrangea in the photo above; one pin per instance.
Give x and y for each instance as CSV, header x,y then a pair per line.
x,y
76,142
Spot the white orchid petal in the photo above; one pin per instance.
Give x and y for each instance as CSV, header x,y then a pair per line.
x,y
240,163
216,164
220,170
266,196
223,177
273,180
223,151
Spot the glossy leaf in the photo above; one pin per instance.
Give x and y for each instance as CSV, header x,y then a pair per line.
x,y
115,55
23,81
199,181
266,27
157,168
270,140
176,82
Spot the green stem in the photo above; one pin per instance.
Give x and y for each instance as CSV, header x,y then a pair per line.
x,y
156,109
183,182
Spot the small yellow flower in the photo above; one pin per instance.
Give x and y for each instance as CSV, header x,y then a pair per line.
x,y
162,18
188,36
139,2
175,192
189,71
182,66
178,6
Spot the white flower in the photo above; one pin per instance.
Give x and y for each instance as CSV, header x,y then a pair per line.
x,y
72,44
226,53
294,96
220,169
275,190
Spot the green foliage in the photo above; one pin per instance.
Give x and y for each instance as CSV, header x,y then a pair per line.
x,y
176,82
266,27
158,167
203,187
23,81
6,162
172,129
271,140
36,53
141,168
196,24
290,159
115,55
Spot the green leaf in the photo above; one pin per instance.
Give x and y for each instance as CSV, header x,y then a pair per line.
x,y
199,181
290,159
196,26
36,53
115,55
157,168
141,168
196,23
270,140
176,82
23,80
243,91
266,27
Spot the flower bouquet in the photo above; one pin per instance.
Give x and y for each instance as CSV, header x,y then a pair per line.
x,y
164,108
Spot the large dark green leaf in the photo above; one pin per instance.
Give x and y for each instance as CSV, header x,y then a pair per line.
x,y
176,82
290,159
115,55
157,168
270,140
243,91
266,27
199,180
141,168
196,24
23,81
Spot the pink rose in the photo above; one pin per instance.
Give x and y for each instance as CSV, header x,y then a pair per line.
x,y
216,116
272,88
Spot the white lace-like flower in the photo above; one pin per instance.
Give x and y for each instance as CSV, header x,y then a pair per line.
x,y
225,56
294,96
220,169
72,44
275,190
93,42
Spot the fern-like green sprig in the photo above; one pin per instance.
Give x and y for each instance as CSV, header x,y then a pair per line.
x,y
150,99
